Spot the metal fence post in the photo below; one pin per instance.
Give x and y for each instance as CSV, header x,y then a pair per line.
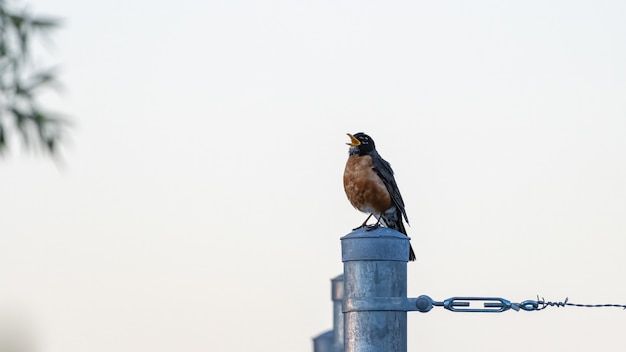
x,y
337,294
375,276
332,340
323,342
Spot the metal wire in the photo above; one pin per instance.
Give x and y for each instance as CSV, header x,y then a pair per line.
x,y
543,304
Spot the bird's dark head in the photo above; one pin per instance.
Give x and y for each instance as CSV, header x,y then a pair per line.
x,y
360,144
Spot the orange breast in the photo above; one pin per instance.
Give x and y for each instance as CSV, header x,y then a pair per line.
x,y
364,188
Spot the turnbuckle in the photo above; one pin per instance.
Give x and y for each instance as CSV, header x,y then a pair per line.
x,y
463,304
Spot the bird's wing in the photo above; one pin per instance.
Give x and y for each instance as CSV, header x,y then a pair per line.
x,y
383,169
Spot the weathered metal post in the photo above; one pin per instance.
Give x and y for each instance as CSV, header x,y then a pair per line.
x,y
323,342
375,281
337,294
332,340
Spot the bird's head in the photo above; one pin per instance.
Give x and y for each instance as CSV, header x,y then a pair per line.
x,y
360,144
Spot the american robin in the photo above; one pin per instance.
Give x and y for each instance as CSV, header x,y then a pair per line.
x,y
370,186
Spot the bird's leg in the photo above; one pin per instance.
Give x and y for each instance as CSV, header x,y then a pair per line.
x,y
376,225
364,224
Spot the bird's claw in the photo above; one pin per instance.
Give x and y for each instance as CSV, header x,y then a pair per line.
x,y
372,227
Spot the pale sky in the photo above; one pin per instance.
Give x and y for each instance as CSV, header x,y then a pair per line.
x,y
200,204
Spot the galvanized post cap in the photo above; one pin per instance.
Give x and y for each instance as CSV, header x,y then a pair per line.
x,y
377,244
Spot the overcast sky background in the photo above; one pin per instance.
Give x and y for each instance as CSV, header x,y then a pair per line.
x,y
200,203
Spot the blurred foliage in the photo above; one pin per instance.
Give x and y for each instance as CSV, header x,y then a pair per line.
x,y
20,82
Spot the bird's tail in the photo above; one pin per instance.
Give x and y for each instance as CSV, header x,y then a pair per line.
x,y
393,220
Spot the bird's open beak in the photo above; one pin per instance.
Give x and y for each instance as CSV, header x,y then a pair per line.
x,y
353,141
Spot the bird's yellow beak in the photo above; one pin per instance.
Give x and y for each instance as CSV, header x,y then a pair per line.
x,y
353,141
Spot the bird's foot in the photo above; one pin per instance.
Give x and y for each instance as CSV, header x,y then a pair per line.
x,y
360,227
364,224
372,227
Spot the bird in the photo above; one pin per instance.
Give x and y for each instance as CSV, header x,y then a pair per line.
x,y
371,187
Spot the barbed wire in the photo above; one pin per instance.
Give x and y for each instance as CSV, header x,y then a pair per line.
x,y
543,304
